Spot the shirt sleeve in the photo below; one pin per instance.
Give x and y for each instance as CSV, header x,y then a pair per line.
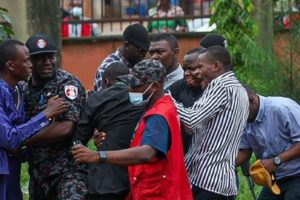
x,y
99,74
214,100
244,144
290,117
13,135
84,129
76,99
156,134
98,79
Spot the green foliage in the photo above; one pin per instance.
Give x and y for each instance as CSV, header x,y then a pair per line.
x,y
260,68
290,63
24,180
235,21
5,29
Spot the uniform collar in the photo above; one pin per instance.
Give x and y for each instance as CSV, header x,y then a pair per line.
x,y
261,110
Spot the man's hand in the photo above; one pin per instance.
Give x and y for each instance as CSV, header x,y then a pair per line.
x,y
55,106
82,154
14,152
269,165
99,137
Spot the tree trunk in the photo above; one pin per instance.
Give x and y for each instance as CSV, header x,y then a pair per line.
x,y
44,16
264,16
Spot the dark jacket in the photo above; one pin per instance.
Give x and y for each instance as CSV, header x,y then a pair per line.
x,y
110,111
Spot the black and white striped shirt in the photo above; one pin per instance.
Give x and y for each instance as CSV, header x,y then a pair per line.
x,y
220,116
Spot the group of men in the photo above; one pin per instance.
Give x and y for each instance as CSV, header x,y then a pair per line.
x,y
143,150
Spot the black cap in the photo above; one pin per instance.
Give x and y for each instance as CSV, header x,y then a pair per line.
x,y
40,43
213,40
138,35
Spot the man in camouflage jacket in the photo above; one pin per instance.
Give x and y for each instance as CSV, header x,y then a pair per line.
x,y
53,172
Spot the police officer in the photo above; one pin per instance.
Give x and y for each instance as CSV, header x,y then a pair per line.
x,y
15,128
53,174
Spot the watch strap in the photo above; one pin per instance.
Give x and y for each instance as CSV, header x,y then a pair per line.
x,y
277,161
102,156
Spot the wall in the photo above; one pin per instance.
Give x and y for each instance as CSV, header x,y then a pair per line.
x,y
17,12
82,57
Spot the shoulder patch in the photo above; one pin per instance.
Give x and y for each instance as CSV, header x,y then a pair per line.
x,y
71,92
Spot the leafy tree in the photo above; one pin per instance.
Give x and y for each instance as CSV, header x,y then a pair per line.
x,y
254,64
5,29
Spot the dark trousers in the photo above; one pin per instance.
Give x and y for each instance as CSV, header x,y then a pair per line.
x,y
290,190
117,196
201,194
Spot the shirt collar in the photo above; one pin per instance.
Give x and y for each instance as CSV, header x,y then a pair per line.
x,y
121,56
175,73
227,74
261,110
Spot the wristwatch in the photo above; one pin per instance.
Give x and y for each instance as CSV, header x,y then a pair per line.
x,y
277,161
102,156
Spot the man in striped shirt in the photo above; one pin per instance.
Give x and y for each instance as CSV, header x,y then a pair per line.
x,y
220,114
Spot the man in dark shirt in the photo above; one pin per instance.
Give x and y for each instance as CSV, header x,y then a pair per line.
x,y
188,90
109,111
155,160
53,172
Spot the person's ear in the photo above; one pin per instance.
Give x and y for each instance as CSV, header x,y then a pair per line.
x,y
218,66
105,83
126,44
10,65
175,53
251,99
155,86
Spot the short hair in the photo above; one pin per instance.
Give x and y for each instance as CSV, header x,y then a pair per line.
x,y
8,51
197,50
115,69
171,39
218,53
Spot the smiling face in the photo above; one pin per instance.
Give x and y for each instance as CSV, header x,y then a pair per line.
x,y
191,71
21,67
44,66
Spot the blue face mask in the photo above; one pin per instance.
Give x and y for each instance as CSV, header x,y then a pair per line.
x,y
137,98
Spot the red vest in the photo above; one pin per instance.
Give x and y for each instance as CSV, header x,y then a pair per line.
x,y
161,179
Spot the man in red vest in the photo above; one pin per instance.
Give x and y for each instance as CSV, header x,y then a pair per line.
x,y
155,159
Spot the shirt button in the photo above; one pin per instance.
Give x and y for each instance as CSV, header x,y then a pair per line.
x,y
164,176
134,178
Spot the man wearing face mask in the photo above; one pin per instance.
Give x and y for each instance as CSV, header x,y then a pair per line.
x,y
134,49
109,111
155,159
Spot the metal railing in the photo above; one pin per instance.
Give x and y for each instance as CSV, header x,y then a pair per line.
x,y
102,17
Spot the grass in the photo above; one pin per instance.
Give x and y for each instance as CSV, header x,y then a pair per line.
x,y
244,192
